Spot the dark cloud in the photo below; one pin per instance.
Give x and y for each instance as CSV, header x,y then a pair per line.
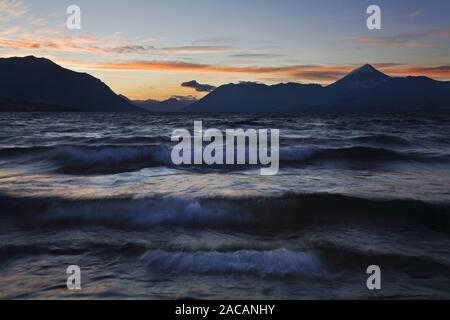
x,y
198,86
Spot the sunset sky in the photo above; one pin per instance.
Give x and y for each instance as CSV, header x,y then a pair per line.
x,y
148,48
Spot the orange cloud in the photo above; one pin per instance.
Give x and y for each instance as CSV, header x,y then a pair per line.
x,y
306,72
439,72
170,50
75,45
182,67
91,45
321,74
11,9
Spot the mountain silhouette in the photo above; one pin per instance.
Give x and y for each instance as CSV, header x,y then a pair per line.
x,y
174,104
363,77
256,97
363,90
38,84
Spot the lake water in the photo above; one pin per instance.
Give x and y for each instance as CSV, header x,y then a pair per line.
x,y
100,191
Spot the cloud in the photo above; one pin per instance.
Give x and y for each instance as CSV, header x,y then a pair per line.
x,y
427,39
308,72
321,75
34,34
11,9
75,45
415,13
442,33
218,40
46,39
184,98
436,72
385,65
198,86
178,66
256,55
304,73
385,42
170,50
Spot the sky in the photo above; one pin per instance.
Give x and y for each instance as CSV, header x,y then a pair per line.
x,y
146,49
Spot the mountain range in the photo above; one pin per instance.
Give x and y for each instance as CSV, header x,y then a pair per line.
x,y
38,84
363,90
173,104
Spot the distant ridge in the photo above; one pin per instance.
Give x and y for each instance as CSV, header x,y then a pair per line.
x,y
41,84
365,89
174,104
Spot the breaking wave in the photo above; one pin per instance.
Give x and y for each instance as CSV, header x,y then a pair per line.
x,y
279,262
94,159
110,159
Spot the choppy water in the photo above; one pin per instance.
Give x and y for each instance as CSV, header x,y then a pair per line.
x,y
99,191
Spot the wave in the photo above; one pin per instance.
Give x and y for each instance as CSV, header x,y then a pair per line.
x,y
122,213
309,155
110,159
129,140
280,262
47,248
285,212
10,251
351,255
373,140
383,139
94,159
